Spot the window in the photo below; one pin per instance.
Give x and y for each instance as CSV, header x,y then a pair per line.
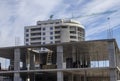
x,y
51,28
43,28
27,35
51,33
33,34
57,37
27,44
44,48
38,38
57,27
57,41
73,37
57,22
36,43
80,29
64,26
43,42
43,33
38,24
27,40
51,38
35,29
51,23
57,32
43,38
45,23
73,28
73,32
27,30
51,42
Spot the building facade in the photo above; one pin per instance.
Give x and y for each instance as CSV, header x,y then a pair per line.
x,y
54,31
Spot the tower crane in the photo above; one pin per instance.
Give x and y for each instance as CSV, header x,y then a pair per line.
x,y
93,14
109,30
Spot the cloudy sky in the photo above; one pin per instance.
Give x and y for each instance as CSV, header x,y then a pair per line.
x,y
93,14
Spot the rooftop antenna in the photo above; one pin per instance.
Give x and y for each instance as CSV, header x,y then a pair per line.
x,y
109,30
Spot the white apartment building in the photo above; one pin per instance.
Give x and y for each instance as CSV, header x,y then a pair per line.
x,y
54,31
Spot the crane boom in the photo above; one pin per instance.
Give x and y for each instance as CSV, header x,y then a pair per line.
x,y
100,13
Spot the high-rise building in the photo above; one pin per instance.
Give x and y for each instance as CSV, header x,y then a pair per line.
x,y
54,31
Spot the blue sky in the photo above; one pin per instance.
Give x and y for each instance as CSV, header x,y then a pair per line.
x,y
15,14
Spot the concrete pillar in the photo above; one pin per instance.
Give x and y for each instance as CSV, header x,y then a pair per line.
x,y
85,76
24,62
17,64
111,51
32,61
73,53
17,77
24,67
32,65
112,61
113,75
59,62
59,76
28,58
59,57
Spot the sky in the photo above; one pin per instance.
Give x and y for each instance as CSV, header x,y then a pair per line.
x,y
93,14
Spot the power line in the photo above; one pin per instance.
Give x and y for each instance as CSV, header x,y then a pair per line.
x,y
93,14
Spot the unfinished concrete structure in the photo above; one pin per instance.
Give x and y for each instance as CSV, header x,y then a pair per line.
x,y
96,60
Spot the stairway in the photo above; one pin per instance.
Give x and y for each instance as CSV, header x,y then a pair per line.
x,y
49,58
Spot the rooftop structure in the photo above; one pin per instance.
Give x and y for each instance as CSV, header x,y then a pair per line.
x,y
97,60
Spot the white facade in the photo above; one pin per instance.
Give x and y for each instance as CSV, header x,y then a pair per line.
x,y
54,31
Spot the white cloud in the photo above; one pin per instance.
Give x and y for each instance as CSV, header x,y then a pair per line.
x,y
15,14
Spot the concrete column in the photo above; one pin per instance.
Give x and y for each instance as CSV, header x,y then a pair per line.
x,y
17,77
111,51
28,58
59,76
59,62
24,63
113,75
85,76
32,63
16,64
59,57
73,53
112,61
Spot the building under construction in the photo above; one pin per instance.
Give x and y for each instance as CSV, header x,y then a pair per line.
x,y
97,60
